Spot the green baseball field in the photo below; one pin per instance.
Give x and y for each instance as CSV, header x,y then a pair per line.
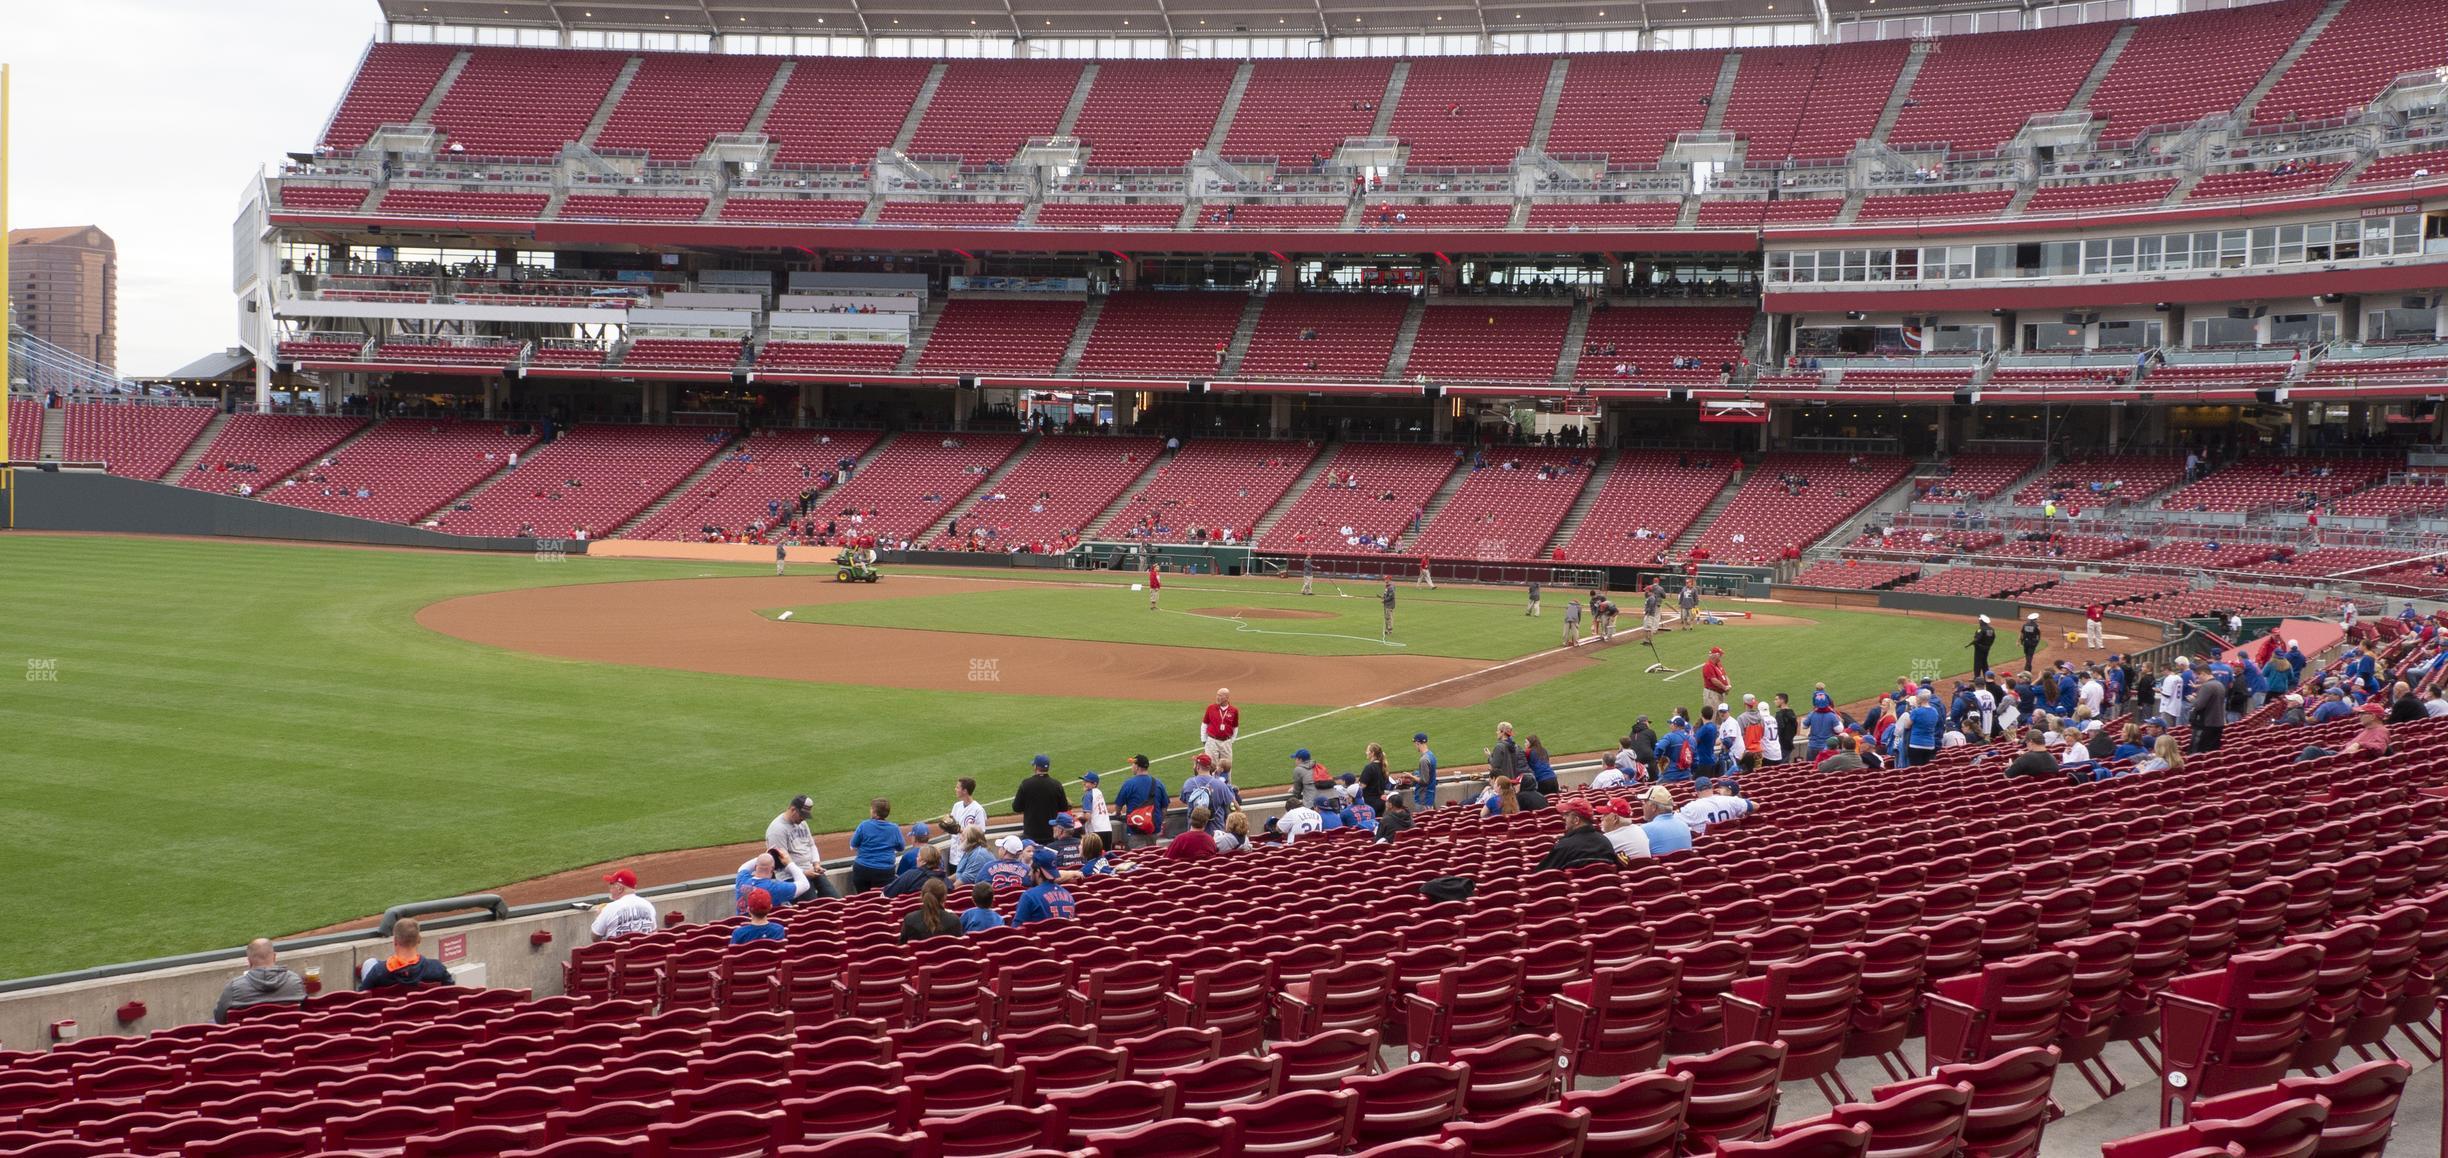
x,y
218,740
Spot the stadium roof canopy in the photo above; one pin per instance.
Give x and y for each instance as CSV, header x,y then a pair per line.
x,y
1147,18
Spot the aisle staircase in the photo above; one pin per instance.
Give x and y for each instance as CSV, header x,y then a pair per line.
x,y
1708,514
1292,494
986,486
710,465
1578,513
194,453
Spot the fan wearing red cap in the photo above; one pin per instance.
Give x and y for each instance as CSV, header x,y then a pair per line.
x,y
1582,843
1713,681
626,913
1622,828
761,926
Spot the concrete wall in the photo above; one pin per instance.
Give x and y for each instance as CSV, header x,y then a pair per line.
x,y
73,500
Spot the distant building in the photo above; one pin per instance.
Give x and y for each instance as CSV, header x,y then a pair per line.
x,y
63,286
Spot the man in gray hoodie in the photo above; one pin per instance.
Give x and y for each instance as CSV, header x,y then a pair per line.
x,y
265,979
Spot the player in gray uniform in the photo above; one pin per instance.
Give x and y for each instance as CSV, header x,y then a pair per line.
x,y
1386,597
1652,600
1689,604
1308,573
1534,598
781,557
1572,623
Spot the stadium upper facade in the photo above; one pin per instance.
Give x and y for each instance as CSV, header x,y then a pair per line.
x,y
1178,19
2236,203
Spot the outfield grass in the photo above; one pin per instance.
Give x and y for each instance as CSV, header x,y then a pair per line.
x,y
245,738
1444,622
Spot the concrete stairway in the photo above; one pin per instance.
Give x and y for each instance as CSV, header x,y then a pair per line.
x,y
1708,515
1576,331
1582,503
2287,59
1393,96
920,330
1230,107
1079,100
1292,495
1400,357
612,97
194,453
2099,69
1903,89
985,487
54,433
441,88
1547,105
1719,95
1113,510
1436,502
1079,335
1241,336
685,485
773,96
918,107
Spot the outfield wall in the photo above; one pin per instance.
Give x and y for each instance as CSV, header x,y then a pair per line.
x,y
91,501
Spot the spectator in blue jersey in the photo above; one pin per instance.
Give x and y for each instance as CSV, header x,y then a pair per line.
x,y
1821,726
1046,900
771,873
1356,810
876,847
2333,706
918,834
1705,744
980,914
760,926
2129,744
928,866
2256,683
1921,733
1541,766
1143,791
1008,870
1674,751
1666,831
975,857
1092,857
1424,780
1209,789
1066,842
1820,697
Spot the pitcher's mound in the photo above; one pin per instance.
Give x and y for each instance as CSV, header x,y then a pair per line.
x,y
1259,613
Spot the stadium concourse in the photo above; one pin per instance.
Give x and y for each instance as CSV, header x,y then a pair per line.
x,y
2241,921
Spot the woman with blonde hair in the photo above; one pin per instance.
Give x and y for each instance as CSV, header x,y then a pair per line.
x,y
1236,833
1504,796
2166,756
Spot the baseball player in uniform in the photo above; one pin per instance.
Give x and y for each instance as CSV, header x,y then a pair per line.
x,y
1386,597
1652,600
781,557
1426,580
1308,573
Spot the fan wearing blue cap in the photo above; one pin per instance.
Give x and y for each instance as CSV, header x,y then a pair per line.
x,y
1424,780
1046,899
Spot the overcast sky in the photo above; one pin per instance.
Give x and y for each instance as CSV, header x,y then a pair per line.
x,y
147,118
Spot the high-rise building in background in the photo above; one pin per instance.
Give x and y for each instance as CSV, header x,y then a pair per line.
x,y
63,287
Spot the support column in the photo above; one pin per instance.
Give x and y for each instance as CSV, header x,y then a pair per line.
x,y
2300,423
1279,415
1440,420
2358,419
263,385
811,403
2116,427
1942,432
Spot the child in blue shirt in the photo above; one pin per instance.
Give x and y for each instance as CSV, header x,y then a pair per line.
x,y
981,911
877,844
761,926
918,834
